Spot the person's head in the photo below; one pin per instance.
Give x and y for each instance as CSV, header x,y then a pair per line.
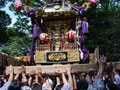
x,y
1,82
25,88
15,85
2,70
111,86
59,87
50,82
36,86
117,70
82,85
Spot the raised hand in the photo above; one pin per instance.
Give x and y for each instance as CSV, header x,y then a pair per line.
x,y
38,70
102,61
32,72
58,71
11,69
23,69
69,68
19,71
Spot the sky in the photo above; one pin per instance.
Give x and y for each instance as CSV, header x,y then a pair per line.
x,y
13,17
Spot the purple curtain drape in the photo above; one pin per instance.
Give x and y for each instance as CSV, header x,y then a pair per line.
x,y
31,13
35,35
86,54
32,51
83,31
84,50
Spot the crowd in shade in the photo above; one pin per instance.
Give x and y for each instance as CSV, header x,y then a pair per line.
x,y
106,78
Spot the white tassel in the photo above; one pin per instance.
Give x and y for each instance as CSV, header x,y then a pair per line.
x,y
81,54
41,20
63,4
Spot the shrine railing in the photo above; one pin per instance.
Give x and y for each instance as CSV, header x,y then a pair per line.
x,y
70,46
45,47
55,41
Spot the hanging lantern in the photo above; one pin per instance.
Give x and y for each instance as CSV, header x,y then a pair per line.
x,y
43,37
18,4
93,2
71,35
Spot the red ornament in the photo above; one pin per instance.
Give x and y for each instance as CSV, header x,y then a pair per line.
x,y
43,37
18,4
71,35
93,2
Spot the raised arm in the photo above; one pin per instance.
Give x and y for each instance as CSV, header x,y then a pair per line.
x,y
74,82
110,72
58,80
39,72
102,63
48,84
17,74
11,74
98,83
8,83
23,69
36,79
30,77
64,78
70,80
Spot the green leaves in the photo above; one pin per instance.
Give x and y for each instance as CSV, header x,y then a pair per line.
x,y
5,20
4,2
17,46
104,29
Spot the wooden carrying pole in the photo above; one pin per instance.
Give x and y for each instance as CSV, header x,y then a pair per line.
x,y
75,68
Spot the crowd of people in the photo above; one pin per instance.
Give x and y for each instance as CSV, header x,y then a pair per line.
x,y
107,78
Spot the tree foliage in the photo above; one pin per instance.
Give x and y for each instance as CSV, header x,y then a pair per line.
x,y
17,36
5,20
104,29
17,46
4,2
